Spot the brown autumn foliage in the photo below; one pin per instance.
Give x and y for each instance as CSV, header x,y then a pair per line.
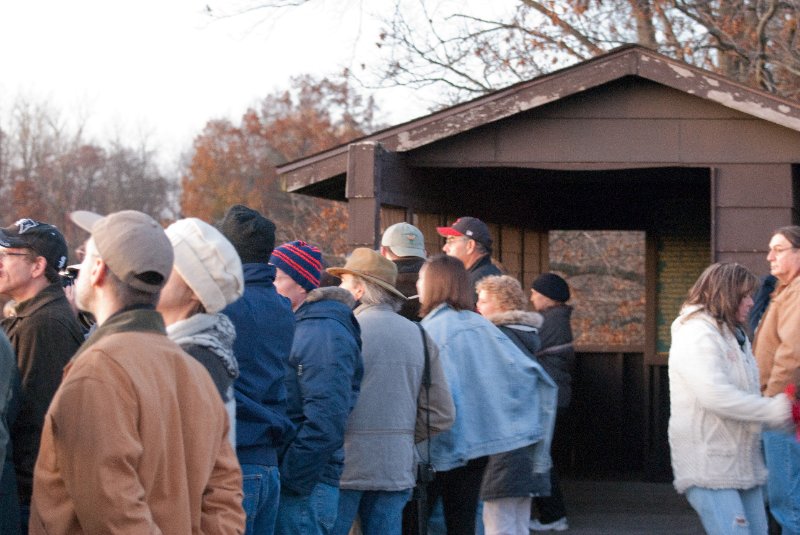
x,y
233,164
466,50
606,274
467,54
48,169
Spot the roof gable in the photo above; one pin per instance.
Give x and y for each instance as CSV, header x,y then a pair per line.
x,y
630,60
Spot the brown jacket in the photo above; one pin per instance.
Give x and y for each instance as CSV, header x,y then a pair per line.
x,y
777,340
135,441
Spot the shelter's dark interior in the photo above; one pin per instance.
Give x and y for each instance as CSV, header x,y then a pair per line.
x,y
657,199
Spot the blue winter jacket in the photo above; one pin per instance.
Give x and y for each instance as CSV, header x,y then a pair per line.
x,y
504,400
322,383
264,330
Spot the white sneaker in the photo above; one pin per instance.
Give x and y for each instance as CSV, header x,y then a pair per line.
x,y
558,525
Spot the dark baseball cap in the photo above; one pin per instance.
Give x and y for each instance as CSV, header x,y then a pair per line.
x,y
471,227
42,238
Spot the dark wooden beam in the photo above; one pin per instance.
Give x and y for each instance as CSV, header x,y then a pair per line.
x,y
363,193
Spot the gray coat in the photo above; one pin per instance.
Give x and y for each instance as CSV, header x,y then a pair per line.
x,y
389,416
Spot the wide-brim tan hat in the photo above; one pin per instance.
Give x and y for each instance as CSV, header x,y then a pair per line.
x,y
370,265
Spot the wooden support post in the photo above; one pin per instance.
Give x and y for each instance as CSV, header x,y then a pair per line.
x,y
363,192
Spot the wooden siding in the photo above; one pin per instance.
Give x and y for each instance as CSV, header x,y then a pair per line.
x,y
618,65
631,122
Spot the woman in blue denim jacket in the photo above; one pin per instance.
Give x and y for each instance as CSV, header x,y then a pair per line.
x,y
503,399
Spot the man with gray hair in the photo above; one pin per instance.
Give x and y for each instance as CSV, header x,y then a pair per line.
x,y
395,409
135,440
468,239
777,351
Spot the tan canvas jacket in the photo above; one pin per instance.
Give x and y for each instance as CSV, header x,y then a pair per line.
x,y
135,441
777,340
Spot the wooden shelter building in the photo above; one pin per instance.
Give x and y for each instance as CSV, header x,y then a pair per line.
x,y
705,167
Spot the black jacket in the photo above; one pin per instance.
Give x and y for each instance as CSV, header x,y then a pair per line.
x,y
761,301
45,334
480,269
557,355
407,274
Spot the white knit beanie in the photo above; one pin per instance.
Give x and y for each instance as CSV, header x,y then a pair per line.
x,y
207,262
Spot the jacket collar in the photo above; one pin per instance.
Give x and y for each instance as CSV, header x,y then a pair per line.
x,y
360,309
257,272
144,320
408,264
331,293
517,317
781,287
48,294
482,261
437,310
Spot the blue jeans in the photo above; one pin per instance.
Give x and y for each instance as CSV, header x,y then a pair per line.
x,y
381,512
261,486
782,453
730,511
314,514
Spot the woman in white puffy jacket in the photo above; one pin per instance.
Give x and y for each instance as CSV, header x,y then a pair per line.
x,y
717,411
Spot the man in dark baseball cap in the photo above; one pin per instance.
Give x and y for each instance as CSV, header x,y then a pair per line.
x,y
44,333
468,239
43,238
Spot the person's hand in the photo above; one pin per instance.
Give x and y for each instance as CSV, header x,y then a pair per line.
x,y
791,393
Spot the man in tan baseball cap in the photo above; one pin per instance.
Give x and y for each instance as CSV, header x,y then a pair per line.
x,y
135,439
403,244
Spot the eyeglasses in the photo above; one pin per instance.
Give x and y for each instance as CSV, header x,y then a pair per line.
x,y
779,250
5,254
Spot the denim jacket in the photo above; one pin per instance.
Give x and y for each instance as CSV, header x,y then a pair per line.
x,y
503,399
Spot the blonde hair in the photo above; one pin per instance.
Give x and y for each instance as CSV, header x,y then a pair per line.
x,y
719,291
505,290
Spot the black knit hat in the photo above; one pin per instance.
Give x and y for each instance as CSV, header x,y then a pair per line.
x,y
552,286
252,234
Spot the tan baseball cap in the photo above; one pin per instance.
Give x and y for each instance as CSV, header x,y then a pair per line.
x,y
404,239
133,246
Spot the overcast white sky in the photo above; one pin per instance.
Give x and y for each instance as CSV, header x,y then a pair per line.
x,y
163,68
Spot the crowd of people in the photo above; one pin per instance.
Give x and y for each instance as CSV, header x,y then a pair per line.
x,y
201,379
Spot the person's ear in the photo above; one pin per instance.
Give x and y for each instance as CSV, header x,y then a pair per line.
x,y
38,266
97,272
359,291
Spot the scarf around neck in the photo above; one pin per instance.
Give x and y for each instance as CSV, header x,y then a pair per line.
x,y
214,332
